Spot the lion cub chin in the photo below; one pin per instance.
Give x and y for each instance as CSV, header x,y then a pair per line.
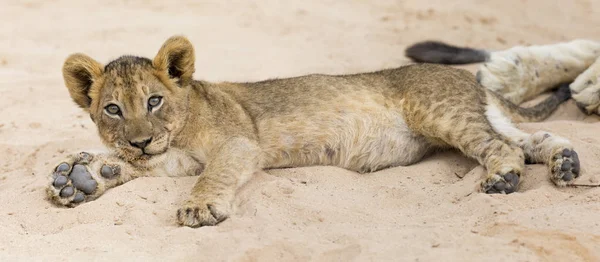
x,y
157,121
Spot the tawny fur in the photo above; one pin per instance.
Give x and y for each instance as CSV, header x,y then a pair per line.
x,y
228,131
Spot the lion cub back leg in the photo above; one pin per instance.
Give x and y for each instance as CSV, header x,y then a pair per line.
x,y
464,126
540,147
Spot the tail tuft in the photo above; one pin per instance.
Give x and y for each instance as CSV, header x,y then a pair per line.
x,y
442,53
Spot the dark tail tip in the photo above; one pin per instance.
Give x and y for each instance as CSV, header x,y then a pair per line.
x,y
442,53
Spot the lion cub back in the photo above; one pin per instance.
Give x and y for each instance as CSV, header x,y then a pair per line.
x,y
351,121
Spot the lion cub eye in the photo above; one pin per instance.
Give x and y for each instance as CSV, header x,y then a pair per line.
x,y
153,102
113,109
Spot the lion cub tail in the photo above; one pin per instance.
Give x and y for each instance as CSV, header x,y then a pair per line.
x,y
442,53
535,113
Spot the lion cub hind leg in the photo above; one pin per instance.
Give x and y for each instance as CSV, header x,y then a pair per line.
x,y
449,110
468,130
540,147
84,177
503,160
554,151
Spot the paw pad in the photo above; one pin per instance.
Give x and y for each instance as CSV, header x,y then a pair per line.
x,y
85,158
82,179
506,184
567,166
109,172
60,181
64,167
73,183
79,197
67,191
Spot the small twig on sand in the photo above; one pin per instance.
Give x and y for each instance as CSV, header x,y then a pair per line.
x,y
583,185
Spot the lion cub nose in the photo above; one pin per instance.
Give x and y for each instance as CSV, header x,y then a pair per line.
x,y
141,144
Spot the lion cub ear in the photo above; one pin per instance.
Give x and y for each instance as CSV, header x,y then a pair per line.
x,y
176,59
80,72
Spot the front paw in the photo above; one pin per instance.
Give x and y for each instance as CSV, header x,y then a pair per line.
x,y
79,178
203,211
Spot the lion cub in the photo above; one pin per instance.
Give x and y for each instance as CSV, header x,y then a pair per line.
x,y
158,121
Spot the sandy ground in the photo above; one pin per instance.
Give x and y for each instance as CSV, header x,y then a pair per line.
x,y
424,212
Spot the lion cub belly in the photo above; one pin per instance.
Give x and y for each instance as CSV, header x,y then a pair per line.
x,y
359,141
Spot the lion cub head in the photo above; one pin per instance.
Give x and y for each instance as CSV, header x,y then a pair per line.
x,y
138,104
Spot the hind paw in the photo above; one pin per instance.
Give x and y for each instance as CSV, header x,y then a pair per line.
x,y
501,183
564,167
80,178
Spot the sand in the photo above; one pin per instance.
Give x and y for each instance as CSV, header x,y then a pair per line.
x,y
426,212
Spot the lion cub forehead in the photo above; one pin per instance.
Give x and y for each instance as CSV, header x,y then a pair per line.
x,y
128,70
129,76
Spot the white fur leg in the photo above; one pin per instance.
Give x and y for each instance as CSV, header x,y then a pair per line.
x,y
541,147
586,89
521,73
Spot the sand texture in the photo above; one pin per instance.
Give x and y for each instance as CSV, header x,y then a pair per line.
x,y
426,212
